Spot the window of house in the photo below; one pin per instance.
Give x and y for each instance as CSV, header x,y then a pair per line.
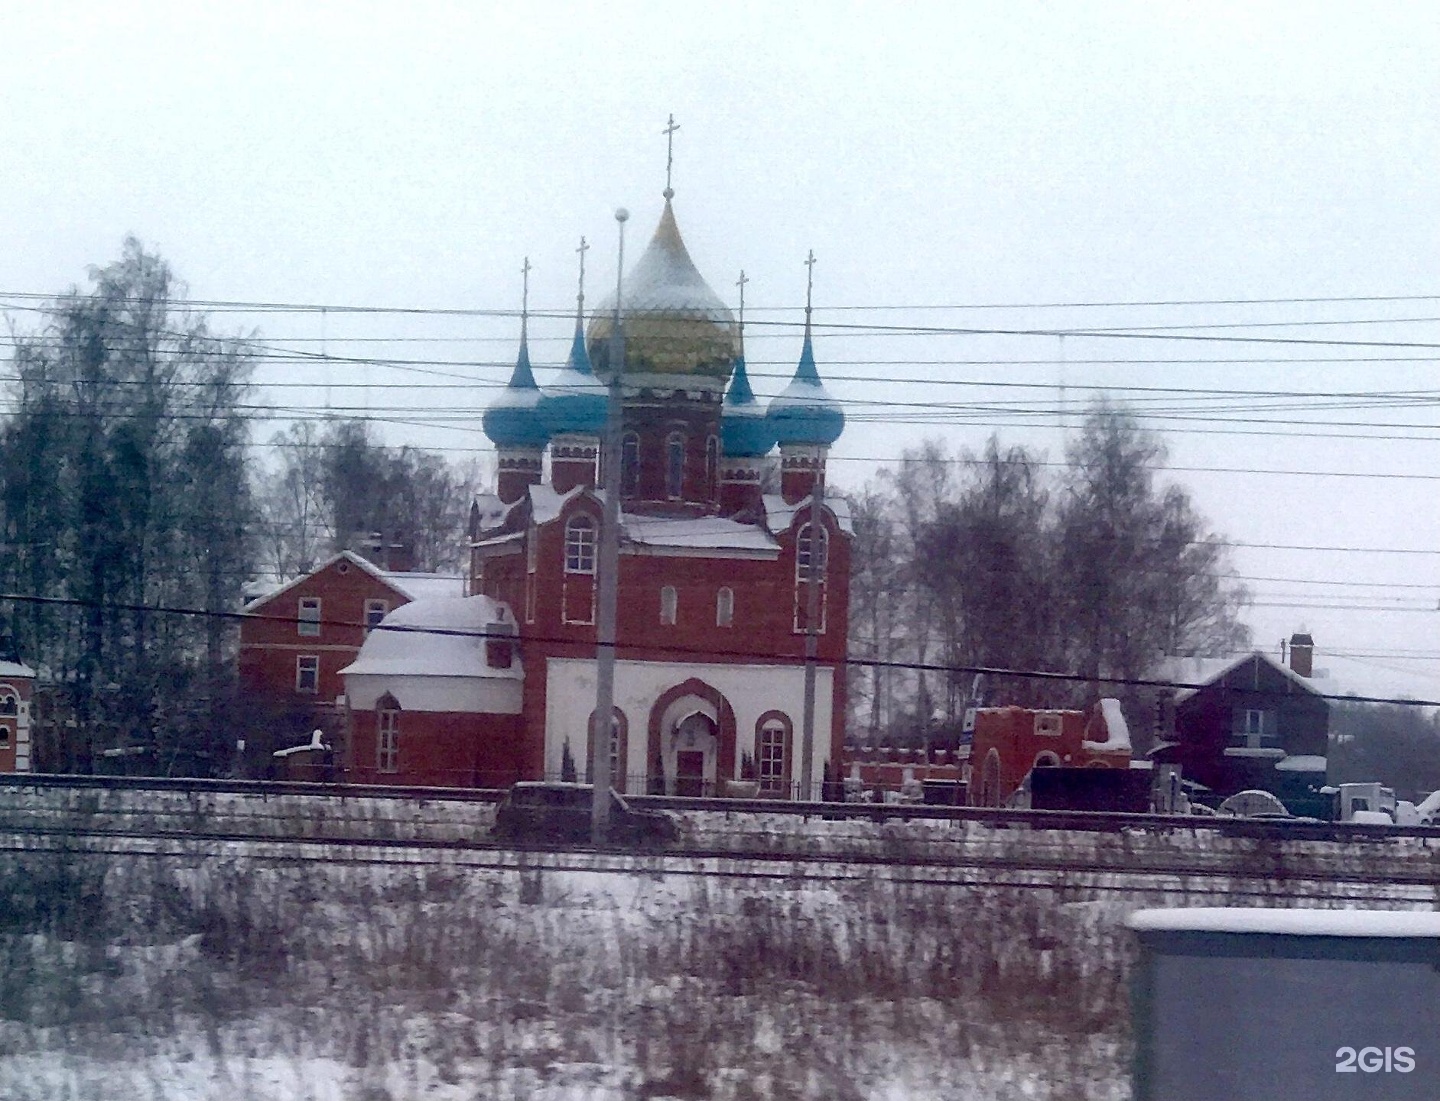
x,y
669,604
9,703
771,746
803,554
580,545
1255,728
307,673
375,611
4,736
1047,760
724,607
629,465
675,466
308,618
387,736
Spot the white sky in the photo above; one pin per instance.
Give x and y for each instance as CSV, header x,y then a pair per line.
x,y
931,155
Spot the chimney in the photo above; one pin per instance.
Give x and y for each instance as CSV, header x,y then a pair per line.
x,y
1302,654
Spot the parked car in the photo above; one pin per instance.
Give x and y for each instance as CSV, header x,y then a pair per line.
x,y
540,811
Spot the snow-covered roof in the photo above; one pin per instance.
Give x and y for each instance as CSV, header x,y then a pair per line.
x,y
408,584
1117,730
1302,762
492,511
425,586
546,504
15,669
1204,671
1299,923
779,515
701,532
435,637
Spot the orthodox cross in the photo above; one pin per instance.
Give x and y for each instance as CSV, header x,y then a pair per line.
x,y
741,284
669,133
580,298
809,281
525,291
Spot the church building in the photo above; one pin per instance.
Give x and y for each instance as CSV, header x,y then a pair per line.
x,y
499,684
714,571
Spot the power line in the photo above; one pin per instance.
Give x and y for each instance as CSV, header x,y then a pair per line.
x,y
676,650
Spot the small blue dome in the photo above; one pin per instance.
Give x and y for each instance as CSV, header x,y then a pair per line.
x,y
513,419
804,412
577,402
745,431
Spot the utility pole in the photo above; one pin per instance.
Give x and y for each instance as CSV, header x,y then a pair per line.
x,y
818,555
608,566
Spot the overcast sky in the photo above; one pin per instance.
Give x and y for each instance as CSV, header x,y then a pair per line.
x,y
937,158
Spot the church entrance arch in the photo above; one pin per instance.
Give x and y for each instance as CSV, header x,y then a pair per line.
x,y
692,740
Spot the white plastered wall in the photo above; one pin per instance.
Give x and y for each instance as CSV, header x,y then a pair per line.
x,y
751,690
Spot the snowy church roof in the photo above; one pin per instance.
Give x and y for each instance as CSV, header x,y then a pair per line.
x,y
15,669
576,402
437,637
779,516
513,418
714,533
804,412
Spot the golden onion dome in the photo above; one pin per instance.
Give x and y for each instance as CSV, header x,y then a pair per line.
x,y
675,324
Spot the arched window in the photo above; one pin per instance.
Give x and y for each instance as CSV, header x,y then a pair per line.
x,y
724,607
580,545
669,605
1046,759
803,554
772,752
629,464
675,466
387,734
712,465
9,702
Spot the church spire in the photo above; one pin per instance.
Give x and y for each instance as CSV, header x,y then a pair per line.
x,y
804,413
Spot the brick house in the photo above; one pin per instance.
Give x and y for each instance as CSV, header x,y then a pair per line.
x,y
1250,723
1010,741
17,686
296,639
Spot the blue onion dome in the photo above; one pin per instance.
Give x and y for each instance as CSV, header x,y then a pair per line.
x,y
577,402
804,412
513,419
745,431
674,323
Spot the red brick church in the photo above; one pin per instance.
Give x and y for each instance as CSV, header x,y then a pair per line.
x,y
499,684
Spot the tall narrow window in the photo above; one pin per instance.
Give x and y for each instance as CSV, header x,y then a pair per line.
x,y
669,604
724,607
308,617
803,554
580,545
675,466
532,557
9,702
307,673
712,466
629,465
387,735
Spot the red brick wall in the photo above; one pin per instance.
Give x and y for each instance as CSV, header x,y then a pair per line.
x,y
441,749
270,642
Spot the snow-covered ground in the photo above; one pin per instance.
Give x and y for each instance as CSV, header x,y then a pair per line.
x,y
568,977
125,977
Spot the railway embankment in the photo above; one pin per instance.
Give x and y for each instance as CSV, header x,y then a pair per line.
x,y
381,951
